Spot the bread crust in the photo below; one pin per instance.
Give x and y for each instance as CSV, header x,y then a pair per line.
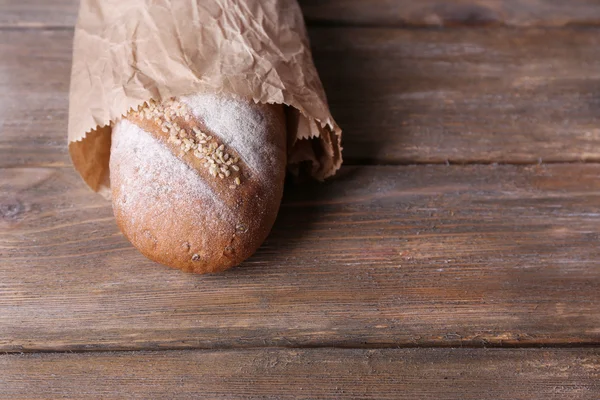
x,y
179,225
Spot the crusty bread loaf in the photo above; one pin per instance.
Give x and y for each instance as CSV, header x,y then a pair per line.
x,y
197,181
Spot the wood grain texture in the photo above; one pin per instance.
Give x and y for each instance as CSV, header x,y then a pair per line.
x,y
450,13
464,96
38,13
313,373
380,256
401,96
34,83
63,13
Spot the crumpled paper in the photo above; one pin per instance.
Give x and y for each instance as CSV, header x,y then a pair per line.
x,y
127,52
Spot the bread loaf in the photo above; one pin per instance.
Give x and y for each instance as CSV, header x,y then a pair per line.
x,y
197,181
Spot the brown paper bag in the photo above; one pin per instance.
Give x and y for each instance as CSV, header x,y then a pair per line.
x,y
127,52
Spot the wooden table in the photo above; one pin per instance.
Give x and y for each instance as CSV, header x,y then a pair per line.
x,y
456,255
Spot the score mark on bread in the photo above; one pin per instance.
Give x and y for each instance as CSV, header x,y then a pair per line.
x,y
203,146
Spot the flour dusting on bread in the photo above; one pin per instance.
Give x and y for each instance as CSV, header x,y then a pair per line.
x,y
150,163
243,126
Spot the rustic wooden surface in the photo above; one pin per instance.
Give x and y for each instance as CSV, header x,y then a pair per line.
x,y
34,83
38,13
381,256
451,13
403,258
402,96
410,374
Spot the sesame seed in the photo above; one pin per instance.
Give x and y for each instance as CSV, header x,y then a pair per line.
x,y
232,186
202,145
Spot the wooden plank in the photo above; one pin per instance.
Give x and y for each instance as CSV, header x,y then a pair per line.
x,y
63,13
310,373
38,14
380,256
34,82
521,13
464,96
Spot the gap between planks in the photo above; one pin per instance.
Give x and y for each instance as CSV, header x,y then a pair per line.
x,y
581,346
